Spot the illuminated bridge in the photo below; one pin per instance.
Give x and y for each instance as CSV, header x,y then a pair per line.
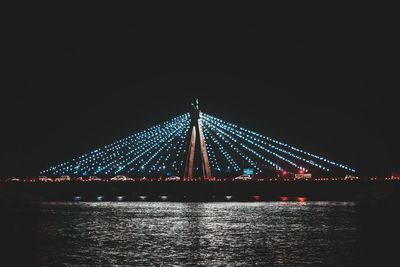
x,y
197,146
224,150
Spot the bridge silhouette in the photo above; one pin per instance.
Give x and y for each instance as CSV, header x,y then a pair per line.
x,y
223,149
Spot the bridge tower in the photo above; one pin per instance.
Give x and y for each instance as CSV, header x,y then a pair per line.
x,y
196,141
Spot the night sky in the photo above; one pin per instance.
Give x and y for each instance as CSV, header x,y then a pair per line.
x,y
78,77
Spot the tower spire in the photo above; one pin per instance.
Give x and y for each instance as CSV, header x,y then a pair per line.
x,y
196,140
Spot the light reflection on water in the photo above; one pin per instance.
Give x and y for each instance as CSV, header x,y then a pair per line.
x,y
166,233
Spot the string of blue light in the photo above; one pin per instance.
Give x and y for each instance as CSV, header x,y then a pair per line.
x,y
149,139
111,158
115,148
164,145
221,125
259,138
230,161
139,156
211,155
249,140
223,134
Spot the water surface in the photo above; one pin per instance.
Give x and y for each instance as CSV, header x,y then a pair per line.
x,y
157,233
206,234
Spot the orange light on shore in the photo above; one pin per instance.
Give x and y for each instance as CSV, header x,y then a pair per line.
x,y
284,198
301,199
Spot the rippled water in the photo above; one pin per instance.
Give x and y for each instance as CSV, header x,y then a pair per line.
x,y
211,234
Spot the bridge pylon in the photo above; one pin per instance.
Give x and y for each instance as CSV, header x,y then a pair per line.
x,y
196,142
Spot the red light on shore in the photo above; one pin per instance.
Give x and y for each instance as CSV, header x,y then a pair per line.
x,y
284,198
301,199
257,198
284,172
301,171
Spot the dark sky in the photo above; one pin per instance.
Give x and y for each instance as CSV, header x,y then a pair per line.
x,y
324,78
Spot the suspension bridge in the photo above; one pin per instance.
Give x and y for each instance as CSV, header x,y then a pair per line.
x,y
196,144
204,154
